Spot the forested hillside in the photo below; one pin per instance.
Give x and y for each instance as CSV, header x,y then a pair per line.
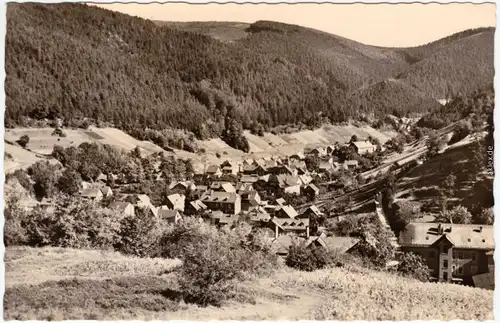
x,y
458,64
74,61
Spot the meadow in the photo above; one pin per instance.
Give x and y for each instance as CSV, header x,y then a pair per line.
x,y
61,283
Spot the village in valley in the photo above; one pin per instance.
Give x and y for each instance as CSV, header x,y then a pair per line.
x,y
244,171
301,199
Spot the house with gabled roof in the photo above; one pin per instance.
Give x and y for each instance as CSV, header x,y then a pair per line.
x,y
351,164
305,179
140,200
281,201
283,169
170,216
363,147
106,191
214,171
258,214
330,149
229,203
176,202
254,169
325,167
123,208
195,207
249,178
181,186
311,211
453,252
288,226
220,218
242,187
199,191
230,168
285,184
250,199
94,194
317,151
223,187
248,161
285,212
310,190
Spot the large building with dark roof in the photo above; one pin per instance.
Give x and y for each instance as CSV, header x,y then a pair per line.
x,y
453,252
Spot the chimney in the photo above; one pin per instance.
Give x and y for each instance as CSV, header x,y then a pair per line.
x,y
480,229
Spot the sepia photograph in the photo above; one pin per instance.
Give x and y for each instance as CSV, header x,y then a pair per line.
x,y
177,161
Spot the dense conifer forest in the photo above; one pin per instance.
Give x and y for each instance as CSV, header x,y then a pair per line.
x,y
74,61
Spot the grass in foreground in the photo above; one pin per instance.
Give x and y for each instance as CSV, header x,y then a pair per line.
x,y
109,286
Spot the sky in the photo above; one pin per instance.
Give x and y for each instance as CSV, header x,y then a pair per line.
x,y
391,25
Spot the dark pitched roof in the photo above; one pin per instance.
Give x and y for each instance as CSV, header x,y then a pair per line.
x,y
288,210
249,179
464,236
91,192
486,281
220,197
167,214
198,205
291,224
313,187
341,244
212,169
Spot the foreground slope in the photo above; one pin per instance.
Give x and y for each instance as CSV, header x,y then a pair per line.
x,y
79,284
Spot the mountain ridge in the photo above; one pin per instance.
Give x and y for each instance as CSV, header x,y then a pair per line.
x,y
129,68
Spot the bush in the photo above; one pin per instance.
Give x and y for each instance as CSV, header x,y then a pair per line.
x,y
485,217
73,224
309,258
45,177
414,266
213,260
70,182
14,232
459,215
140,234
209,272
23,141
58,132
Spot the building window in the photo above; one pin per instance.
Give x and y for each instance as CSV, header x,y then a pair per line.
x,y
460,255
445,263
454,255
445,276
460,270
473,255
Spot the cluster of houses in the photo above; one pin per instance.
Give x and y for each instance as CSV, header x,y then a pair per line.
x,y
227,192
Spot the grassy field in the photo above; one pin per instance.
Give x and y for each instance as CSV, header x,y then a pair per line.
x,y
42,142
59,284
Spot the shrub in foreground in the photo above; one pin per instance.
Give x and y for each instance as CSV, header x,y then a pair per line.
x,y
310,258
214,260
414,266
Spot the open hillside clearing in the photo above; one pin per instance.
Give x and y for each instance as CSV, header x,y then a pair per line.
x,y
42,142
143,293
